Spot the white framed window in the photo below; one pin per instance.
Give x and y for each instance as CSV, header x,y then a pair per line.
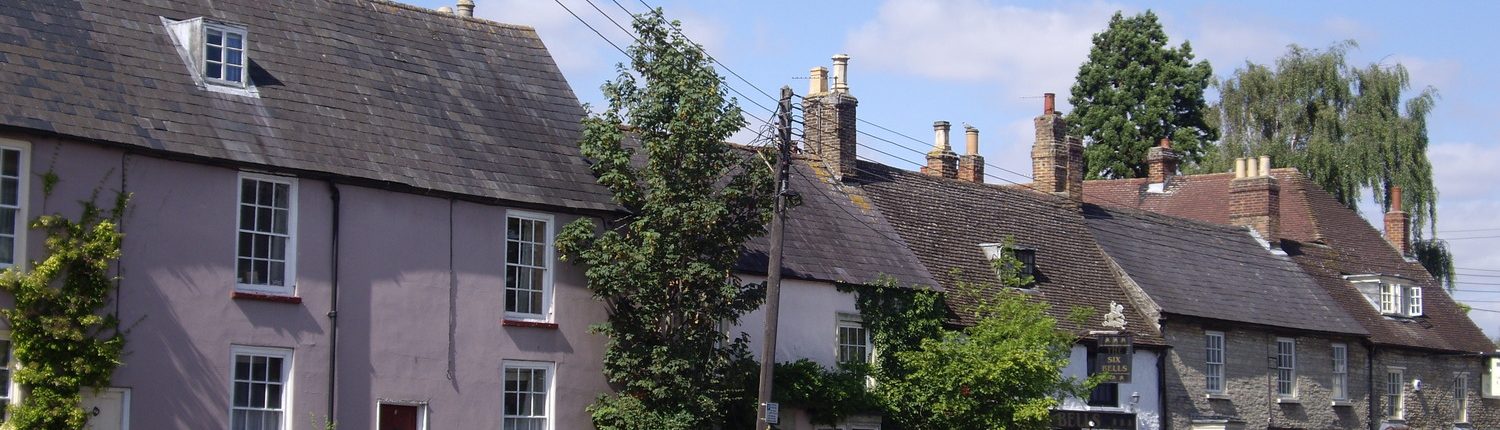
x,y
1395,400
223,54
1340,386
1213,359
1286,368
1461,397
854,342
14,175
1413,301
528,266
1390,298
260,388
7,390
266,234
528,395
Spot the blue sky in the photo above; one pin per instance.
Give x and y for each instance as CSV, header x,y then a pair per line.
x,y
986,63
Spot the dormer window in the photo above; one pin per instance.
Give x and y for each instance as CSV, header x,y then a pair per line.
x,y
217,54
1023,258
1393,296
224,55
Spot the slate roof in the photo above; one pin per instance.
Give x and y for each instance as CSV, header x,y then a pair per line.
x,y
835,235
945,220
1215,272
1325,239
364,89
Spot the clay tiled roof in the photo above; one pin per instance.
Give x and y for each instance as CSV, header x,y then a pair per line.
x,y
1213,271
1327,240
363,89
945,220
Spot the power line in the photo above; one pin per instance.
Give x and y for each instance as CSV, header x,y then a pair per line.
x,y
1467,238
1478,269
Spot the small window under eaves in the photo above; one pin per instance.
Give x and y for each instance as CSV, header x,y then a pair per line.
x,y
217,54
1023,257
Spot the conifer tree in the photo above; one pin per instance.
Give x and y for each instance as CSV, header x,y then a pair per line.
x,y
665,271
1133,91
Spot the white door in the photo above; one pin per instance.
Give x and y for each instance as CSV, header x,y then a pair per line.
x,y
108,409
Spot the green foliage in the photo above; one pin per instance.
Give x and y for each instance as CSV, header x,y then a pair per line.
x,y
1133,91
1434,256
59,337
665,271
1003,371
828,395
1347,128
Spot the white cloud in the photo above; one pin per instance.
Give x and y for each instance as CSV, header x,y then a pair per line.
x,y
1030,51
1437,73
1459,169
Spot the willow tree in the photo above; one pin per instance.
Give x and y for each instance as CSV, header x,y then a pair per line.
x,y
665,271
1133,91
1347,128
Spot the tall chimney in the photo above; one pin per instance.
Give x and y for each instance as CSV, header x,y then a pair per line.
x,y
828,120
1056,159
941,161
1161,162
465,7
841,73
971,164
1255,199
1398,224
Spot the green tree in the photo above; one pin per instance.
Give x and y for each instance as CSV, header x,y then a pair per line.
x,y
1347,128
63,342
664,271
1002,372
1133,91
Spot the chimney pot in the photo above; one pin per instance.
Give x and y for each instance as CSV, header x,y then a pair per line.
x,y
940,129
971,138
841,73
819,82
445,9
465,7
1265,165
1166,143
1396,199
941,161
1049,103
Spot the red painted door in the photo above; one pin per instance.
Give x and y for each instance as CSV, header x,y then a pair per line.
x,y
398,417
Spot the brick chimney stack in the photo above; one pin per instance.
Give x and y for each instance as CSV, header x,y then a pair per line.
x,y
941,161
1255,198
971,164
1161,162
1056,158
1398,224
828,119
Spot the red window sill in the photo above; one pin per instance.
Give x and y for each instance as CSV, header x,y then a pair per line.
x,y
244,295
532,324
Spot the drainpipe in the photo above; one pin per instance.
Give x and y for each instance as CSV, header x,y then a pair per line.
x,y
1370,384
1161,377
333,306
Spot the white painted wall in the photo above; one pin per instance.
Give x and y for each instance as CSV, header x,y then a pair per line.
x,y
1143,381
809,320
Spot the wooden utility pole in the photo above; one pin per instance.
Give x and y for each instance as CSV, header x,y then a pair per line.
x,y
773,270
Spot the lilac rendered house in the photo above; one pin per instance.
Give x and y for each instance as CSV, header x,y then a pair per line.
x,y
342,209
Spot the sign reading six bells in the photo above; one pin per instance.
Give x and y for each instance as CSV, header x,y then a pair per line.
x,y
1113,357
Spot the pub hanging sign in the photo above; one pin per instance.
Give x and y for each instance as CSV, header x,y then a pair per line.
x,y
1113,356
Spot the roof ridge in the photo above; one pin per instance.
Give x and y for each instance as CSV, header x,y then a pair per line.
x,y
475,19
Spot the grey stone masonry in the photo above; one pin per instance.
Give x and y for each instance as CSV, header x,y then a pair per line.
x,y
1250,373
1434,405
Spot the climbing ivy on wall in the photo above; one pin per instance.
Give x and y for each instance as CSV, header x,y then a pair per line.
x,y
61,339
